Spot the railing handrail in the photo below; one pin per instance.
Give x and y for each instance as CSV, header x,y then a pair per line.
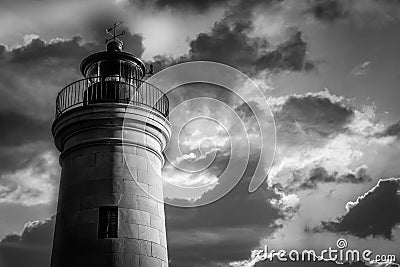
x,y
104,89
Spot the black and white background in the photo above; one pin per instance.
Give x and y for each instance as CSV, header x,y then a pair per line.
x,y
330,70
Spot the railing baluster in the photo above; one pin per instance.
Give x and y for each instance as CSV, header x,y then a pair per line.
x,y
75,95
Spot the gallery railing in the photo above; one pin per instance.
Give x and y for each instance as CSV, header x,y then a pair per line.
x,y
113,89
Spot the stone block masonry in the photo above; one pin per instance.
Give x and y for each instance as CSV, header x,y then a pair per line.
x,y
102,166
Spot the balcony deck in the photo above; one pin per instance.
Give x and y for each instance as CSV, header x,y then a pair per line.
x,y
113,89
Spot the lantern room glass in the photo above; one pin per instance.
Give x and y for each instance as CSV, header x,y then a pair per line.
x,y
115,70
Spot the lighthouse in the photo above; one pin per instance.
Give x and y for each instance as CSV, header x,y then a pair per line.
x,y
111,128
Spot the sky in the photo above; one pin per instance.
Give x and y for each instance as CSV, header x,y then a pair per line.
x,y
328,69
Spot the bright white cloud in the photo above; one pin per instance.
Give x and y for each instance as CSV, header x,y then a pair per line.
x,y
361,69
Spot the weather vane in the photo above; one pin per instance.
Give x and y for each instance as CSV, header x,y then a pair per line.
x,y
112,31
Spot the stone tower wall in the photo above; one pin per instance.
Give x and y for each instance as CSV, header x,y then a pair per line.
x,y
111,156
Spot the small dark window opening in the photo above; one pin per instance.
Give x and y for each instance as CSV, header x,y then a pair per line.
x,y
108,222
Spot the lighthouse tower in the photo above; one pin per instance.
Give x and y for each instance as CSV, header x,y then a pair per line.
x,y
111,128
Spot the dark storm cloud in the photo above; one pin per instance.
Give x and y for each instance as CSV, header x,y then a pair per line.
x,y
229,42
391,130
320,175
290,55
374,214
242,11
236,8
31,248
19,129
233,46
30,77
2,50
227,45
374,11
160,62
19,156
38,50
328,10
225,230
395,2
195,5
313,113
360,176
22,138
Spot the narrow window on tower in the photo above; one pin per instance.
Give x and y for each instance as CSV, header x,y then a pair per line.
x,y
108,222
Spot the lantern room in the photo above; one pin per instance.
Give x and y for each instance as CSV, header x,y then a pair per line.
x,y
113,65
